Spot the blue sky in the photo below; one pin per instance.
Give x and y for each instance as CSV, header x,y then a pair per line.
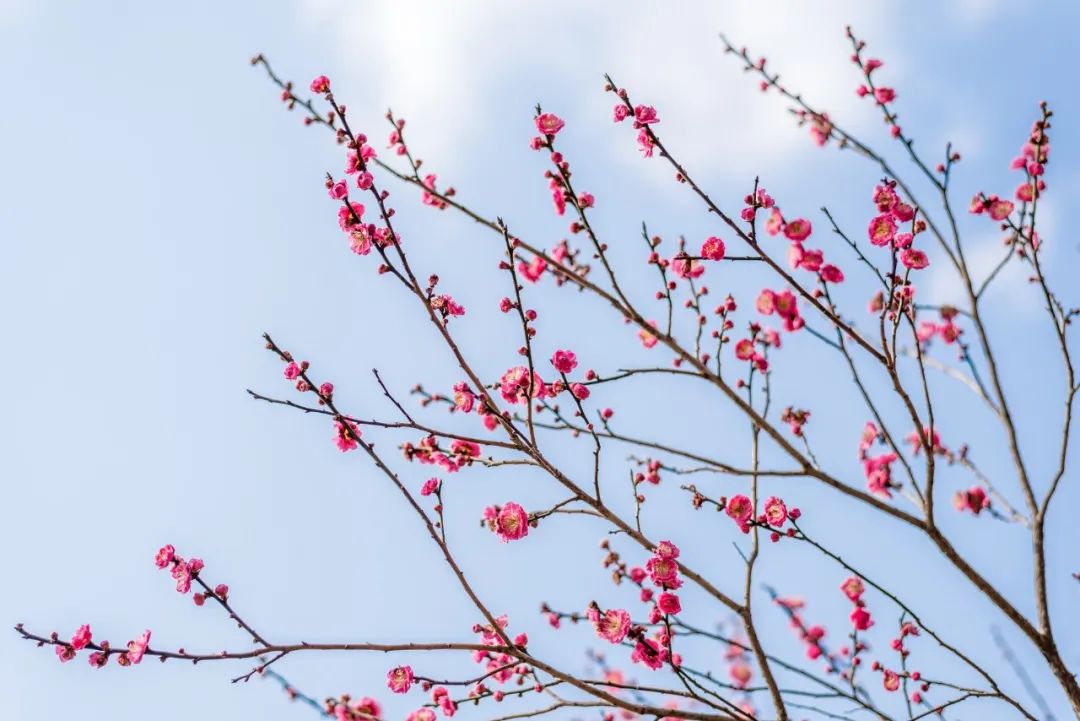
x,y
160,210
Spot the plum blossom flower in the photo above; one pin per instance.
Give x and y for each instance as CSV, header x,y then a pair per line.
x,y
565,361
798,229
346,435
884,95
82,637
1000,209
685,267
712,249
664,572
137,648
421,714
399,679
776,513
611,625
666,549
645,143
549,123
645,115
853,587
321,84
649,653
532,270
860,619
512,522
740,508
831,274
741,674
973,499
165,556
914,259
649,340
350,216
430,486
669,603
515,385
339,190
882,229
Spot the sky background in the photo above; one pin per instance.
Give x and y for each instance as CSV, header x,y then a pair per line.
x,y
160,209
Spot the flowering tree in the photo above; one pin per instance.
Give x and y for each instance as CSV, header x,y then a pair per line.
x,y
656,666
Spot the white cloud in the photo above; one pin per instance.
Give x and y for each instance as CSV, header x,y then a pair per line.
x,y
447,66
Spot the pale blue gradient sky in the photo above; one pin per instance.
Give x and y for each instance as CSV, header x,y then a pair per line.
x,y
159,210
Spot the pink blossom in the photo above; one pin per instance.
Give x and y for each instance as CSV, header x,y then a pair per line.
x,y
798,229
741,674
400,679
650,653
586,200
645,143
165,556
973,499
903,212
137,648
533,269
612,625
775,511
666,549
766,302
914,259
182,574
346,435
564,361
580,391
669,603
744,349
512,522
430,486
349,216
831,274
82,637
514,385
620,112
884,95
64,653
648,339
1000,209
645,115
292,371
685,267
366,708
664,572
320,84
882,229
775,223
853,588
421,714
712,248
740,509
549,124
890,680
339,190
860,619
